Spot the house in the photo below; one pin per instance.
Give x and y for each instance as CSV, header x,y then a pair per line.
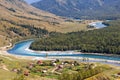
x,y
59,67
54,64
44,71
26,73
15,70
31,65
39,62
118,73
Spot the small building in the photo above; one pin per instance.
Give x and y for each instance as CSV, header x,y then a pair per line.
x,y
39,62
54,64
31,65
26,73
44,71
118,73
15,70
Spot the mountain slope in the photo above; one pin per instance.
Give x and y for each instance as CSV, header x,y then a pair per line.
x,y
90,9
18,11
19,19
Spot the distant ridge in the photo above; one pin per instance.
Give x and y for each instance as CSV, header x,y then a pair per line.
x,y
86,9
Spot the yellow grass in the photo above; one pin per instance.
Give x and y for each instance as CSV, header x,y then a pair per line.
x,y
73,27
107,74
3,41
6,75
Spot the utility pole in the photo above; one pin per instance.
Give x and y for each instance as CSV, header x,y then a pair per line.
x,y
45,36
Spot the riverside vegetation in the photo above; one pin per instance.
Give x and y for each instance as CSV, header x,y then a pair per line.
x,y
104,40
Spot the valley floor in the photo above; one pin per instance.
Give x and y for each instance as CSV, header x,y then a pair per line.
x,y
12,61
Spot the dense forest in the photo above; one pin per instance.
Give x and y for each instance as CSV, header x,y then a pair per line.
x,y
105,40
38,32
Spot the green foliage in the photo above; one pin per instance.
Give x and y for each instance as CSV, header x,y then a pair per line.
x,y
11,9
35,31
17,31
32,30
106,40
81,75
21,77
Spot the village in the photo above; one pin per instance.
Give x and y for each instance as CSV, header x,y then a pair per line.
x,y
55,68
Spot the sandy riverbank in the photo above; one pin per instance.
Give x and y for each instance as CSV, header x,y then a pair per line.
x,y
81,59
70,52
5,53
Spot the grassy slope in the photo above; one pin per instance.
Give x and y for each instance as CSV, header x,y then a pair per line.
x,y
6,75
3,41
15,13
73,27
108,74
11,62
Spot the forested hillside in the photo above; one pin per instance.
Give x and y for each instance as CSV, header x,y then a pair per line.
x,y
106,40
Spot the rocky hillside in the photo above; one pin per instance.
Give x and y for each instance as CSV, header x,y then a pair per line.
x,y
87,9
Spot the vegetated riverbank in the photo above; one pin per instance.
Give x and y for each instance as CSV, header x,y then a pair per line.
x,y
51,69
73,65
40,33
21,49
35,36
105,40
28,53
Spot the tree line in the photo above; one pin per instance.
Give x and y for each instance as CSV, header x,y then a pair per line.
x,y
34,31
106,40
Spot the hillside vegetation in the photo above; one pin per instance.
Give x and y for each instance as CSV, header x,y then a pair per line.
x,y
19,19
104,40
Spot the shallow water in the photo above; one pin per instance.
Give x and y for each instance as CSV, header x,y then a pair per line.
x,y
22,48
98,25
